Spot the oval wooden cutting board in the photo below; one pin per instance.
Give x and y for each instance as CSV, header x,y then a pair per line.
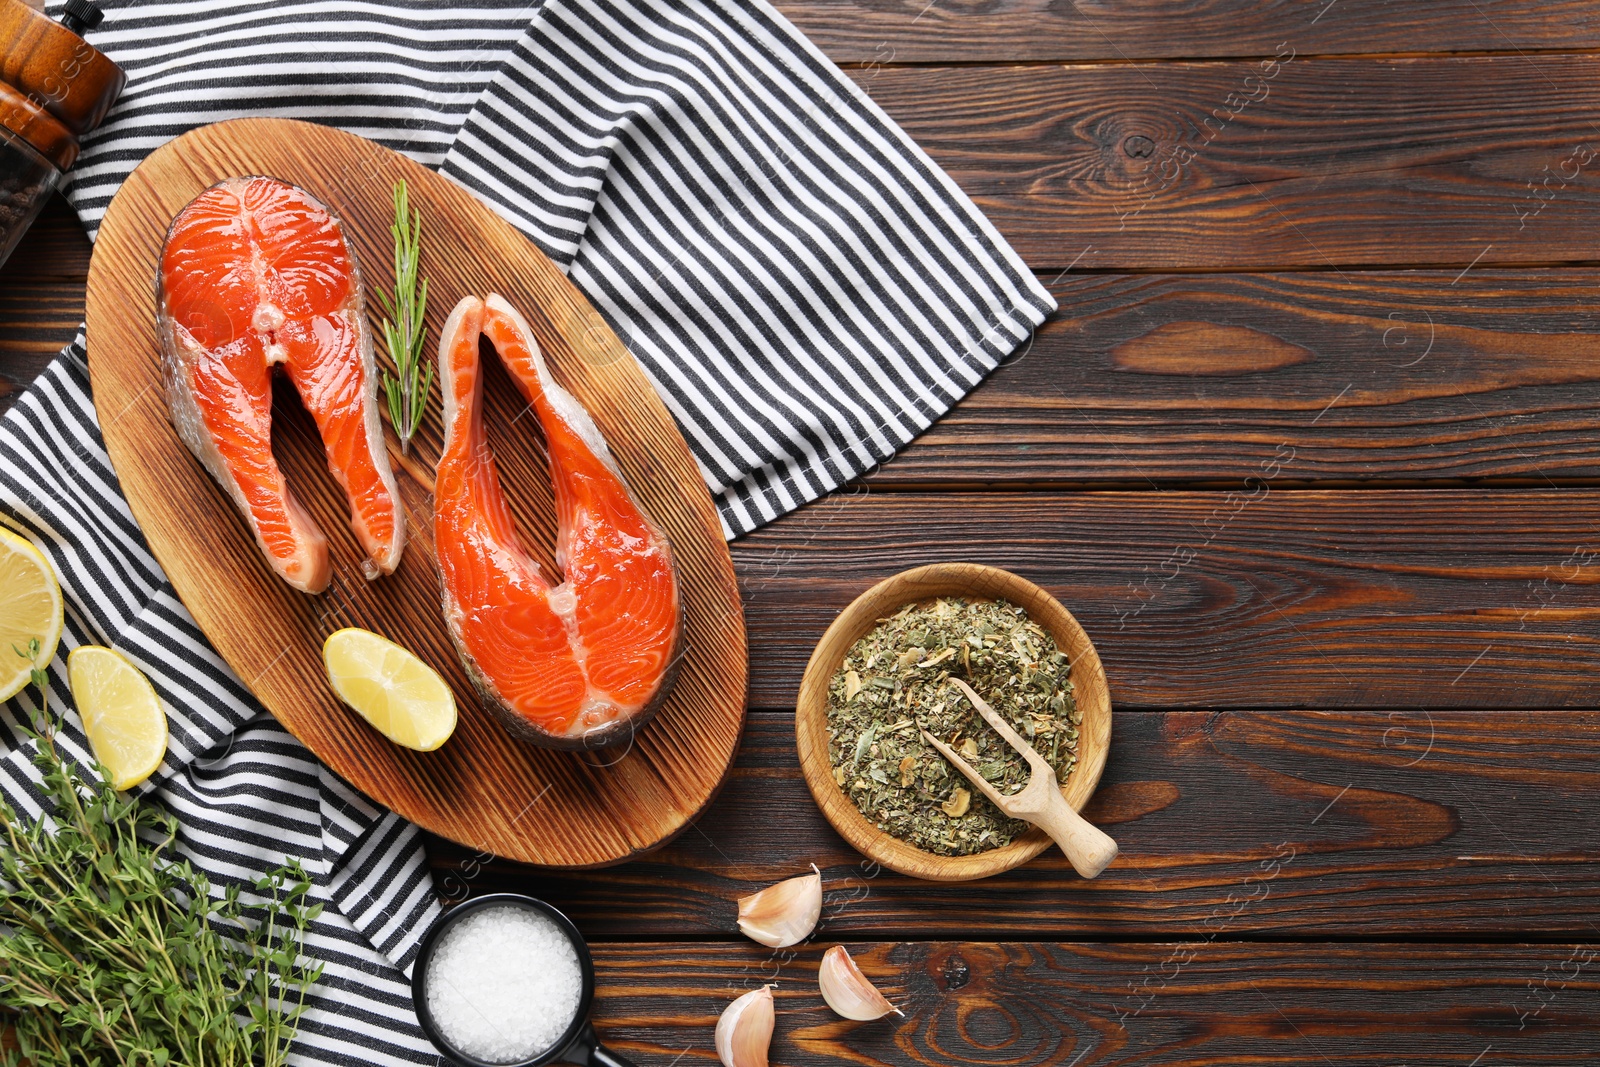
x,y
483,789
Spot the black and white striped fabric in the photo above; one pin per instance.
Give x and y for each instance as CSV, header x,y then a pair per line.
x,y
805,289
247,795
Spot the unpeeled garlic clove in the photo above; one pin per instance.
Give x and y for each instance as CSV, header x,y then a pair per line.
x,y
745,1030
847,990
784,914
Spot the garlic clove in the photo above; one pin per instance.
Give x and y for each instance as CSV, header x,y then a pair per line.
x,y
848,991
745,1030
784,914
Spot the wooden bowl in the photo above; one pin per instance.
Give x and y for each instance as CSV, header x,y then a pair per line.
x,y
974,581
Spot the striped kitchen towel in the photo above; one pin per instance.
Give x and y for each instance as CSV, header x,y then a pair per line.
x,y
804,287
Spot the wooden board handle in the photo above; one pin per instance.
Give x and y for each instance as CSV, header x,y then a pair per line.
x,y
1089,849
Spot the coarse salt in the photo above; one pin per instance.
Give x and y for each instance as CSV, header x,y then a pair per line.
x,y
504,984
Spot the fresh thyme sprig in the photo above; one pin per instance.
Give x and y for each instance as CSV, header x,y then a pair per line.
x,y
116,953
404,331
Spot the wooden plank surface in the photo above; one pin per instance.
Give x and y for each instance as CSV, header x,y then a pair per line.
x,y
1331,377
1127,1005
880,32
54,248
1334,163
1256,597
41,296
1355,753
1375,824
39,318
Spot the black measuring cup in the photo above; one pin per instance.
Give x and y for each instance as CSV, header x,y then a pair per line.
x,y
578,1044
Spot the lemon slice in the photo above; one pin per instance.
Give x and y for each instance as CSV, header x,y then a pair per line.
x,y
30,608
121,713
402,697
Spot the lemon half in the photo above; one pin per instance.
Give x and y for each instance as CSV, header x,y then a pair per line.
x,y
30,608
402,697
121,713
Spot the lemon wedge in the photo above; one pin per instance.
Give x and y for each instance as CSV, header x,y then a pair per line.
x,y
121,713
402,697
30,608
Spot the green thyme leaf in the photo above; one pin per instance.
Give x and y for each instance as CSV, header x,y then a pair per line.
x,y
116,952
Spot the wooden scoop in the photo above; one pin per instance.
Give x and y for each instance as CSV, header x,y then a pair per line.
x,y
1040,802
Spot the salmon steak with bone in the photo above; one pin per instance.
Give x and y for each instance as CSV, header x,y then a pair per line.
x,y
256,273
577,663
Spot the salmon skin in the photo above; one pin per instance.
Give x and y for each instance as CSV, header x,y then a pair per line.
x,y
579,663
255,273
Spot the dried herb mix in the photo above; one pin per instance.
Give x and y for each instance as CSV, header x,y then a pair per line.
x,y
894,683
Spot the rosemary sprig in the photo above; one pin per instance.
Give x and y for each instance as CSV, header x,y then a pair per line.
x,y
404,331
116,952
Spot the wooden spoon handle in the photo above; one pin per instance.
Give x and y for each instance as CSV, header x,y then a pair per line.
x,y
1089,849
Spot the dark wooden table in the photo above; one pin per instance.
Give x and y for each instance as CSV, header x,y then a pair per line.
x,y
1310,450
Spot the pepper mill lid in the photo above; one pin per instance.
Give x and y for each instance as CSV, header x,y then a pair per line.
x,y
53,66
41,130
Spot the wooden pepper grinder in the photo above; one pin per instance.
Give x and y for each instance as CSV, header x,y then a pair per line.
x,y
54,88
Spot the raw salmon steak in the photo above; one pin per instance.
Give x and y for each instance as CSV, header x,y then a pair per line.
x,y
256,273
576,663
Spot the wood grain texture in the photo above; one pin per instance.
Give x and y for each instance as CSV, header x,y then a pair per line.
x,y
1256,597
1127,1005
1336,163
1015,31
1350,377
1376,824
38,320
1406,823
55,248
923,584
483,788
